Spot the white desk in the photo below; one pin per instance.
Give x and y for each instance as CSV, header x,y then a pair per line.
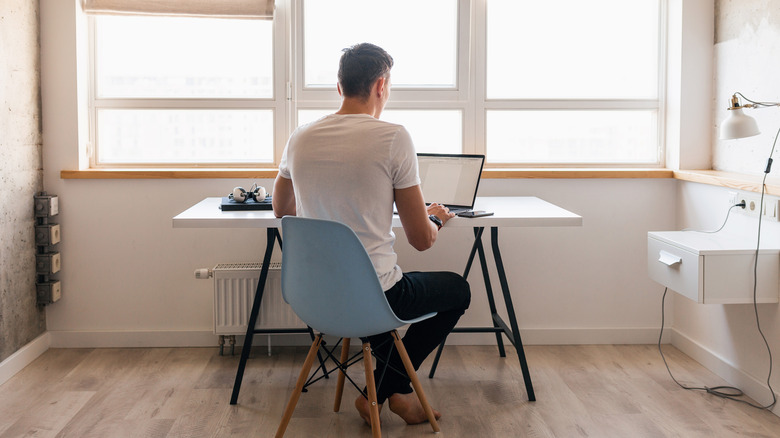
x,y
508,212
520,211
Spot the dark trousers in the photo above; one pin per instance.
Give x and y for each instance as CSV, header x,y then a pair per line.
x,y
416,294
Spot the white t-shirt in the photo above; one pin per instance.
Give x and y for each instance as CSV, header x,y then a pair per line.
x,y
345,168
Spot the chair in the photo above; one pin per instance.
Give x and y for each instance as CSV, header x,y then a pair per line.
x,y
330,283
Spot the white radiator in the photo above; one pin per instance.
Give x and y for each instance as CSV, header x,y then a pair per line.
x,y
234,291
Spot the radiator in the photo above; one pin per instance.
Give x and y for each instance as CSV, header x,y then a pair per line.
x,y
234,292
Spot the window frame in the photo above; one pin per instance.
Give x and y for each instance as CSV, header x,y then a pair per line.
x,y
483,104
277,103
468,97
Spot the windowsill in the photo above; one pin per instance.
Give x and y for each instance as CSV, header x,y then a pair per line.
x,y
495,173
737,181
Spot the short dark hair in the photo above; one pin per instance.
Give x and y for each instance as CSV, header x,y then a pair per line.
x,y
360,66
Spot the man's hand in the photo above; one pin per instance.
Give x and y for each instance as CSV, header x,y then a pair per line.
x,y
441,212
420,231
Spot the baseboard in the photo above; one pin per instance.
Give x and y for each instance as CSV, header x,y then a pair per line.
x,y
132,339
17,361
586,336
141,339
753,387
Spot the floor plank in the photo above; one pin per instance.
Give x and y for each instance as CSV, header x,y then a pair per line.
x,y
582,391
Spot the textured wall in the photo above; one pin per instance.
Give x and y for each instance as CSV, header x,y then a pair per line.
x,y
20,172
747,41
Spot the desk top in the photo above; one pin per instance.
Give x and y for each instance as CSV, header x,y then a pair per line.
x,y
509,211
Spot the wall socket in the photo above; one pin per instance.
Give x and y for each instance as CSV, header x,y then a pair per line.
x,y
770,210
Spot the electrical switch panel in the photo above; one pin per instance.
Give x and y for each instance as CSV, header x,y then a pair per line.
x,y
47,257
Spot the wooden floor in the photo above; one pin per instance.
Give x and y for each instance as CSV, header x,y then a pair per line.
x,y
582,391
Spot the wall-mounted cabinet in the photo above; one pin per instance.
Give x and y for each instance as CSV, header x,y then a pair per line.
x,y
715,268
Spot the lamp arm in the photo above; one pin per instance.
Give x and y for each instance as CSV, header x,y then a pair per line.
x,y
752,104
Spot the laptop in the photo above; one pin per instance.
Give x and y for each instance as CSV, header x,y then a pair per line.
x,y
450,179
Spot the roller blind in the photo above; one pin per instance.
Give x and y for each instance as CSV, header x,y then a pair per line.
x,y
254,9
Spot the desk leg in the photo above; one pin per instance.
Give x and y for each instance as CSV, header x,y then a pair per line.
x,y
488,290
271,236
477,248
510,310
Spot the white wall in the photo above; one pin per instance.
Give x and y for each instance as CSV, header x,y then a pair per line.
x,y
127,274
725,337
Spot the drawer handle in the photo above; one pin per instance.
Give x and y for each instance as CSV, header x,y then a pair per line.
x,y
668,259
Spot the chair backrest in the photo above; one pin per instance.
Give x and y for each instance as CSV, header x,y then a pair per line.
x,y
329,281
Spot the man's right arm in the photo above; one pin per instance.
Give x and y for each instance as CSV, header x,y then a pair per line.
x,y
283,199
420,231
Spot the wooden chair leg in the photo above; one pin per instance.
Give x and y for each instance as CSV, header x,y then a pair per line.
x,y
410,371
315,347
371,386
340,382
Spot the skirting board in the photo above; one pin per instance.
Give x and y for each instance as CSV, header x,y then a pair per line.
x,y
20,359
753,387
141,339
150,339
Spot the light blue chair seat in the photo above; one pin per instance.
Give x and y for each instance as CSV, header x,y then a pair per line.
x,y
330,283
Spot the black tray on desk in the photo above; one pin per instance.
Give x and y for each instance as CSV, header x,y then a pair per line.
x,y
250,204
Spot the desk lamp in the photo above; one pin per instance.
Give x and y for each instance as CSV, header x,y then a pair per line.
x,y
741,125
738,124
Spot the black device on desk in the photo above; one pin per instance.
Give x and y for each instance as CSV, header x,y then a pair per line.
x,y
475,213
228,204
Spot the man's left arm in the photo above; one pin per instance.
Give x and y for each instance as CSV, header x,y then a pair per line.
x,y
283,199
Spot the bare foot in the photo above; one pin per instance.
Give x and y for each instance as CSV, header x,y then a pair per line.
x,y
361,404
408,407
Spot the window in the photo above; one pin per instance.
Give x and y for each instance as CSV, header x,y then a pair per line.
x,y
526,82
426,79
572,82
183,91
429,62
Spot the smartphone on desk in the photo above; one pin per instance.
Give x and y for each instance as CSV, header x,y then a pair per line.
x,y
475,213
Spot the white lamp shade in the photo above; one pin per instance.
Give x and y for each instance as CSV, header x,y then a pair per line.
x,y
738,125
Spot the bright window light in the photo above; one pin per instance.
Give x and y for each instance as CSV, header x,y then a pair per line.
x,y
432,131
166,57
572,49
421,36
569,137
185,136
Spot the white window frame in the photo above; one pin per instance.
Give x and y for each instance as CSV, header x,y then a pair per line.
x,y
468,96
277,103
483,104
417,98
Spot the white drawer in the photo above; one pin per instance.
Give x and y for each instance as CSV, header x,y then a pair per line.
x,y
712,268
675,268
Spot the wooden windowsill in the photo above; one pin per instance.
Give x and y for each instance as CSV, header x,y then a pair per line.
x,y
737,181
497,173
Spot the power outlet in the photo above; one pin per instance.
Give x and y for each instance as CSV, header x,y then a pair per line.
x,y
752,205
770,210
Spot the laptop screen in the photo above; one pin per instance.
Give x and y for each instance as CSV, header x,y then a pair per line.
x,y
450,179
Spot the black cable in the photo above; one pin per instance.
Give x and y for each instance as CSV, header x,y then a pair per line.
x,y
731,392
727,392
